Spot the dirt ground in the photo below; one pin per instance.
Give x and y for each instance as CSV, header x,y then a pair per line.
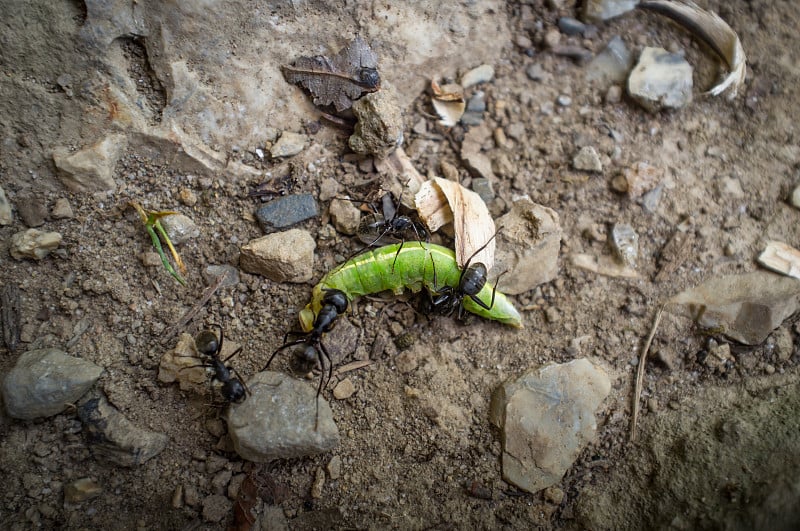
x,y
729,167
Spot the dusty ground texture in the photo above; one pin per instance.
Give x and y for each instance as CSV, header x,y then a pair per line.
x,y
713,443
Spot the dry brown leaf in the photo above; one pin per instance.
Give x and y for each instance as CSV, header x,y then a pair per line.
x,y
448,103
712,30
440,201
781,258
340,80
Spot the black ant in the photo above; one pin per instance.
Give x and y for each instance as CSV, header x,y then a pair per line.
x,y
388,223
232,390
334,304
471,281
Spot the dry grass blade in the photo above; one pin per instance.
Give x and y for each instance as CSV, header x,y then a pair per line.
x,y
712,30
188,316
637,390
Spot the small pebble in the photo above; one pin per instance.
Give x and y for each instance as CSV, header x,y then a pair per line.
x,y
481,74
564,101
613,94
551,315
32,210
180,228
795,199
625,243
587,159
288,144
552,38
344,389
216,508
535,72
319,483
187,197
62,209
81,490
571,26
335,467
6,216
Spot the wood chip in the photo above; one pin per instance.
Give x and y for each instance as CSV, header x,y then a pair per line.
x,y
781,258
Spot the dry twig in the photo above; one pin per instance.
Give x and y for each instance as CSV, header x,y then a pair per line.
x,y
637,390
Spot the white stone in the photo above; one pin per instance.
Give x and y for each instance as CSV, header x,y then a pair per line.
x,y
661,80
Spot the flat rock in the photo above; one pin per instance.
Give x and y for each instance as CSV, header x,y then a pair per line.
x,y
115,439
34,244
661,80
45,382
32,209
283,256
286,211
379,130
278,418
345,216
91,169
289,144
530,240
746,308
62,209
547,417
612,64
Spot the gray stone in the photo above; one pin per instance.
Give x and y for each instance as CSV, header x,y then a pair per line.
x,y
288,145
6,216
286,211
34,244
481,74
345,215
32,209
746,308
115,439
661,80
46,382
379,130
587,159
599,10
211,272
571,26
279,420
529,242
283,256
483,187
535,72
91,169
180,228
612,64
547,416
216,507
625,243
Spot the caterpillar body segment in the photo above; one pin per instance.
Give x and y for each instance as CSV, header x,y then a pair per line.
x,y
410,265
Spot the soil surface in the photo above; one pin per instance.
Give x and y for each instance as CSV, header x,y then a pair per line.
x,y
417,450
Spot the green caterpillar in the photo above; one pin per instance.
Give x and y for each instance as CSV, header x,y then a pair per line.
x,y
401,266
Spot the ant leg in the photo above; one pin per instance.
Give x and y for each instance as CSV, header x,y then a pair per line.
x,y
482,247
402,243
281,348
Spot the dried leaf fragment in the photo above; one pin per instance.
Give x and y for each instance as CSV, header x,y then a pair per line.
x,y
340,80
715,32
440,201
781,258
448,102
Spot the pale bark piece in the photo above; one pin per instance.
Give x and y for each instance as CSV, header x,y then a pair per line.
x,y
448,102
340,80
781,258
472,223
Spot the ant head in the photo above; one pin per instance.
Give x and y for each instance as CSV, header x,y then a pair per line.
x,y
337,299
207,343
233,391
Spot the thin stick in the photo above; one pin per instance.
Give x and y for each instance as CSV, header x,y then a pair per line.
x,y
637,391
352,366
189,315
